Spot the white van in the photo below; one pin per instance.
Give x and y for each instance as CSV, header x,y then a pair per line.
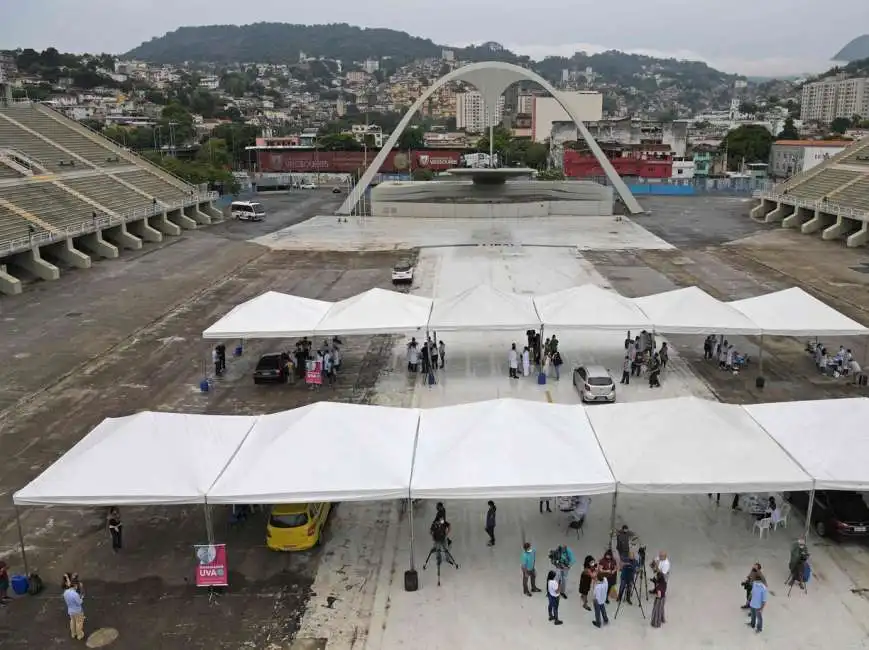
x,y
247,211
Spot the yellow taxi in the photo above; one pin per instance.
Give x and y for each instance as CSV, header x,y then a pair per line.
x,y
296,526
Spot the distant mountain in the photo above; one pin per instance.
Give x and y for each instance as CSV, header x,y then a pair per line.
x,y
281,43
855,50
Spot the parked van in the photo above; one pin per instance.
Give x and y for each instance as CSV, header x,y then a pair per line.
x,y
247,211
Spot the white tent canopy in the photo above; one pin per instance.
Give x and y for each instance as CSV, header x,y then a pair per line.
x,y
376,311
827,437
793,312
507,448
688,445
268,316
484,307
693,311
327,451
143,459
590,307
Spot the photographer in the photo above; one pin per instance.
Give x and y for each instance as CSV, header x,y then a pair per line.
x,y
440,530
797,563
754,574
623,542
562,559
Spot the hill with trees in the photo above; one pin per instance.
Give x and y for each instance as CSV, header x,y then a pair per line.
x,y
857,49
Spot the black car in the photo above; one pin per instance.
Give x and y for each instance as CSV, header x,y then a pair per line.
x,y
272,368
837,514
336,190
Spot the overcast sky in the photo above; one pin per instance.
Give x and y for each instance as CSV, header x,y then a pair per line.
x,y
753,37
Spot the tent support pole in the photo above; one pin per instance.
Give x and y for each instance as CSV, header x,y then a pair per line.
x,y
209,526
613,517
21,541
410,519
760,357
809,514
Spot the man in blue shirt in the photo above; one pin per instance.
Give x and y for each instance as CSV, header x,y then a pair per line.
x,y
73,600
529,556
563,559
759,594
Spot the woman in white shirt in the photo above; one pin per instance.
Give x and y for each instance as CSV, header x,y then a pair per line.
x,y
553,596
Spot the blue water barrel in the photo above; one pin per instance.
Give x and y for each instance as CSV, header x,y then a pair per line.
x,y
204,386
20,585
238,350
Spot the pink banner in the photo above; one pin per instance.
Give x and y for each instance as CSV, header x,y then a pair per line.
x,y
314,372
211,570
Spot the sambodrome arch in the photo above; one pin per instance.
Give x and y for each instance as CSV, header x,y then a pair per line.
x,y
491,79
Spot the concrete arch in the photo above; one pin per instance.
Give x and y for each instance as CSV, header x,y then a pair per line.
x,y
491,79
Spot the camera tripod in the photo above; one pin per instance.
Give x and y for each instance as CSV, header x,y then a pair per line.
x,y
639,574
441,553
797,576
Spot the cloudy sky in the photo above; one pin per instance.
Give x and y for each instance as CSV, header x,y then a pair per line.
x,y
752,37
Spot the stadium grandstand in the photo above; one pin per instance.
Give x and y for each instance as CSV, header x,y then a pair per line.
x,y
831,198
68,195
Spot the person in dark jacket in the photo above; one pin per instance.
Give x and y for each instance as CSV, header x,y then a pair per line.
x,y
756,573
490,523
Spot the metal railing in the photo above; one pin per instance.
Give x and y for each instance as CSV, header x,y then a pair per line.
x,y
35,240
823,206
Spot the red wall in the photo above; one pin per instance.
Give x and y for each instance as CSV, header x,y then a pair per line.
x,y
350,161
577,165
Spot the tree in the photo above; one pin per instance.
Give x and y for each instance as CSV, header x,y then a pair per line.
x,y
551,175
840,125
749,143
422,174
536,155
502,142
411,138
338,142
789,131
215,152
749,108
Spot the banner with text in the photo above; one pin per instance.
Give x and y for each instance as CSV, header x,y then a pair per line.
x,y
211,570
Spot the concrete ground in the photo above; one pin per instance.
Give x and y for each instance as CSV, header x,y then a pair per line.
x,y
124,336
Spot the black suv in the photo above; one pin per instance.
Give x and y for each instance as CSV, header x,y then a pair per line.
x,y
273,367
837,514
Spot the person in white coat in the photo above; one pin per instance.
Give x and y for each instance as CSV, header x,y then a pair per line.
x,y
526,361
513,359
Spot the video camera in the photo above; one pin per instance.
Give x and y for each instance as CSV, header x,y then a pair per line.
x,y
559,559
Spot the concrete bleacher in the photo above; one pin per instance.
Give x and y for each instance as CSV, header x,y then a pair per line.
x,y
855,195
33,146
823,184
50,203
8,172
14,227
109,192
160,189
61,132
859,156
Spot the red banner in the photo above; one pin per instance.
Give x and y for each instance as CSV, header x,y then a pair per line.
x,y
351,161
314,372
211,569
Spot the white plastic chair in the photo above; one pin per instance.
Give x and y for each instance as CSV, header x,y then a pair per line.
x,y
784,511
762,525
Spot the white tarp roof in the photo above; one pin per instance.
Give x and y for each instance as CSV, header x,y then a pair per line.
x,y
327,451
484,307
693,311
507,448
376,311
589,306
688,445
793,312
268,316
143,459
827,437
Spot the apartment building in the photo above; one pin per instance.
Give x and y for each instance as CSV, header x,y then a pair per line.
x,y
831,98
471,113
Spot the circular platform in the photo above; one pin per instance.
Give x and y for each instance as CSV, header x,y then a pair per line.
x,y
486,176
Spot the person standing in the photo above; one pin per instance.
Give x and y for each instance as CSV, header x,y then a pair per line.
x,y
759,594
547,501
490,522
215,359
626,578
626,370
115,526
73,599
513,359
564,559
601,590
586,578
442,353
608,568
221,354
659,583
755,574
664,355
552,597
526,362
433,346
4,583
529,557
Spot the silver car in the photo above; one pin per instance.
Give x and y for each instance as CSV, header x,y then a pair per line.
x,y
595,384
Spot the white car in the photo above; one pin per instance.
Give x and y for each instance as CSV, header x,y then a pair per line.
x,y
402,273
308,186
594,383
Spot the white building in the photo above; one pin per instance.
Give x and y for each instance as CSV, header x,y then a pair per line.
x,y
448,55
831,98
374,132
525,104
471,113
371,66
211,82
547,111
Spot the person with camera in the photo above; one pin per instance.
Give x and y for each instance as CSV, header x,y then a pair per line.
x,y
797,563
562,559
440,532
755,574
626,578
